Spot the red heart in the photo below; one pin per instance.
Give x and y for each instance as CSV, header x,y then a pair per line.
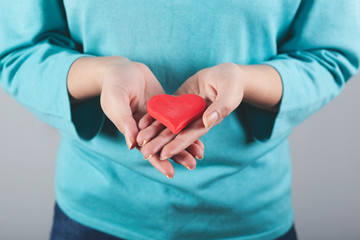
x,y
176,112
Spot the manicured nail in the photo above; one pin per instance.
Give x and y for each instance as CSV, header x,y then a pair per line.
x,y
150,156
164,158
130,143
190,168
211,119
144,142
199,158
168,176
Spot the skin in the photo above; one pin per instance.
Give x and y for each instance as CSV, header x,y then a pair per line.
x,y
125,87
223,86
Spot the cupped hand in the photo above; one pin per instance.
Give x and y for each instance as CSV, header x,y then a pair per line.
x,y
222,86
126,88
150,148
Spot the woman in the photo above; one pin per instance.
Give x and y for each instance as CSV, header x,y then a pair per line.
x,y
88,68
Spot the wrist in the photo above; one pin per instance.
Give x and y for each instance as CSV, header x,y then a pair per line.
x,y
104,64
262,86
85,78
244,79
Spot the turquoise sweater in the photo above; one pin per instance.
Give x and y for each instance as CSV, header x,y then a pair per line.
x,y
242,188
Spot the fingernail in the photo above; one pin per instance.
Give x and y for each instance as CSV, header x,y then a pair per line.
x,y
130,143
211,119
199,158
190,168
144,142
164,158
168,177
150,156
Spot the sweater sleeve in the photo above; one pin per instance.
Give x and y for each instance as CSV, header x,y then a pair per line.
x,y
36,53
319,55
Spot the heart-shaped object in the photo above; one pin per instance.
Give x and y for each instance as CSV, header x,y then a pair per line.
x,y
176,112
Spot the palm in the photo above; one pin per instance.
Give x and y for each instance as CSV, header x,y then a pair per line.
x,y
126,89
146,87
222,89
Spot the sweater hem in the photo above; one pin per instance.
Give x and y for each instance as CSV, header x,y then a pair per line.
x,y
125,234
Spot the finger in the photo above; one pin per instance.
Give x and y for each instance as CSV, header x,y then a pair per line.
x,y
148,133
186,159
165,167
225,102
117,109
196,150
184,139
145,121
157,143
200,143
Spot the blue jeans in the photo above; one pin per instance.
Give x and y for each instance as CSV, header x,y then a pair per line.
x,y
65,228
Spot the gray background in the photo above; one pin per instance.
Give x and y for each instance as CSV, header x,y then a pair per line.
x,y
326,164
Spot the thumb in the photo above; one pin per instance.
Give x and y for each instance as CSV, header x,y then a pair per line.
x,y
118,110
218,110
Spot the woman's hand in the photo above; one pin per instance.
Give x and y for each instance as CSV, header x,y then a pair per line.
x,y
125,90
124,87
224,87
150,148
221,86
